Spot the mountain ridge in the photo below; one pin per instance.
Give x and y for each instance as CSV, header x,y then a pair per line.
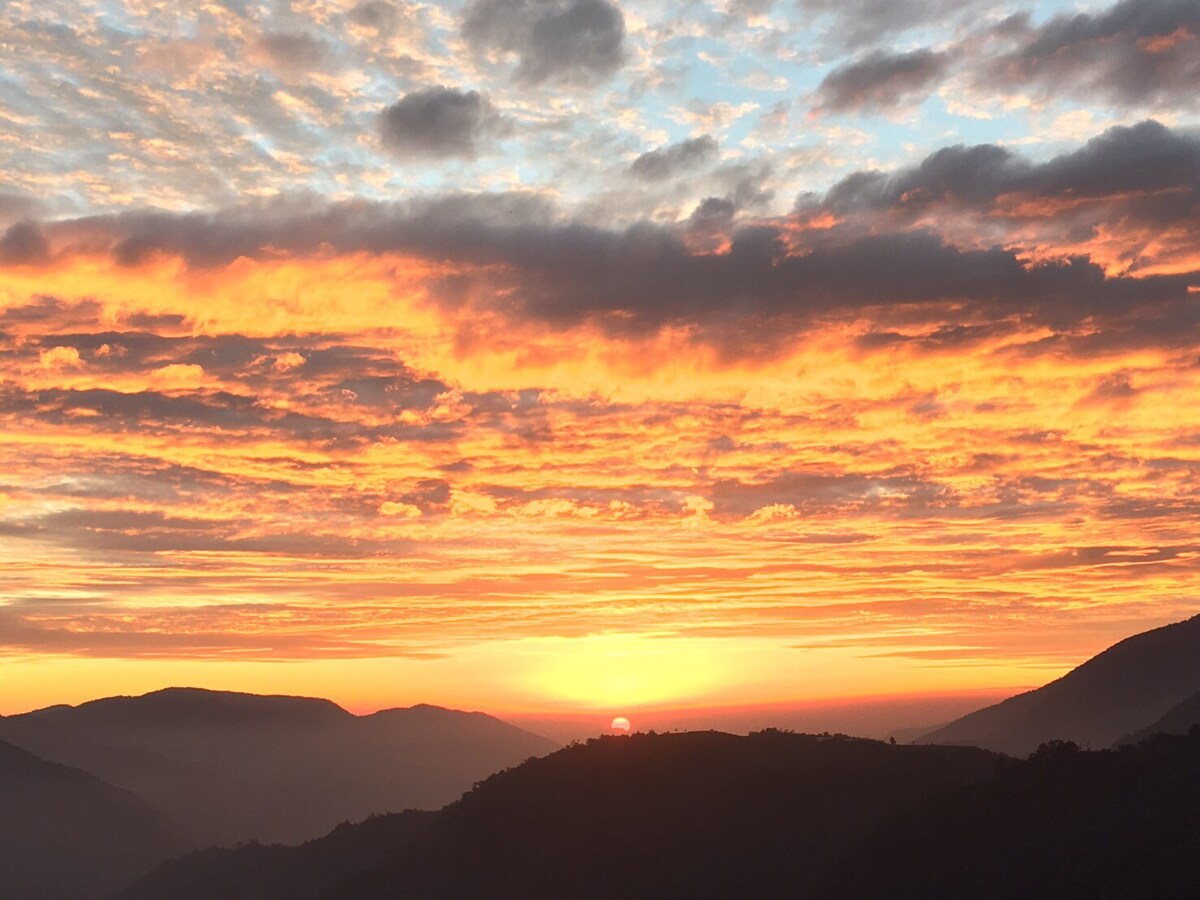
x,y
1118,691
66,833
234,766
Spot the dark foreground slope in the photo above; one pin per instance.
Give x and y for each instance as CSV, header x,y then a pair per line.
x,y
1065,823
708,815
65,834
1180,719
233,767
1125,688
675,815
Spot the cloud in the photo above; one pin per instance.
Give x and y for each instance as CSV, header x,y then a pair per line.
x,y
881,81
294,50
898,248
15,207
664,163
1147,171
438,122
376,14
863,22
22,244
569,41
1136,52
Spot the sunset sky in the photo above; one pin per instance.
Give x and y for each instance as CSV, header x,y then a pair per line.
x,y
558,355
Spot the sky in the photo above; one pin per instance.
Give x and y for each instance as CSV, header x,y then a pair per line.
x,y
545,356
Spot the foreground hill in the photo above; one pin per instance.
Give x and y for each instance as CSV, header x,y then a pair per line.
x,y
233,767
676,815
1127,687
1064,823
707,815
65,834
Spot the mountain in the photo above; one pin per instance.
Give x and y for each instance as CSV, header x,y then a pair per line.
x,y
1129,685
1178,720
1064,823
707,815
232,767
699,814
65,835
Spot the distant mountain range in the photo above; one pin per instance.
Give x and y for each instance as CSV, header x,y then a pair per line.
x,y
1123,690
230,767
65,833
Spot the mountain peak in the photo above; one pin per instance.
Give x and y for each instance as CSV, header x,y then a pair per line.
x,y
1135,681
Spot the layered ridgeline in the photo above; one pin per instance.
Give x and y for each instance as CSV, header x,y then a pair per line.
x,y
66,834
1123,690
698,814
706,815
1179,720
231,767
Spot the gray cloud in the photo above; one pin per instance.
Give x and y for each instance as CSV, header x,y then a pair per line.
x,y
234,416
1150,171
1135,52
23,243
881,80
553,40
377,14
770,282
811,492
859,23
439,122
15,206
666,162
293,49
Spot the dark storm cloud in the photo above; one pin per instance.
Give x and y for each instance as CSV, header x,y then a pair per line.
x,y
553,40
881,81
439,122
666,162
1135,52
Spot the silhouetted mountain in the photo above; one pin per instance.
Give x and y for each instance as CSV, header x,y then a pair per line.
x,y
706,815
1129,685
233,767
273,872
675,815
66,835
1064,823
1179,720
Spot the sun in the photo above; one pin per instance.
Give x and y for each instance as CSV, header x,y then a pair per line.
x,y
620,723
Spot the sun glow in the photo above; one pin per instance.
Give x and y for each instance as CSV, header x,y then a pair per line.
x,y
624,670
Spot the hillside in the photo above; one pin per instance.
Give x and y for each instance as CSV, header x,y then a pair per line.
x,y
232,767
1064,823
65,835
1125,688
1178,720
693,814
707,815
